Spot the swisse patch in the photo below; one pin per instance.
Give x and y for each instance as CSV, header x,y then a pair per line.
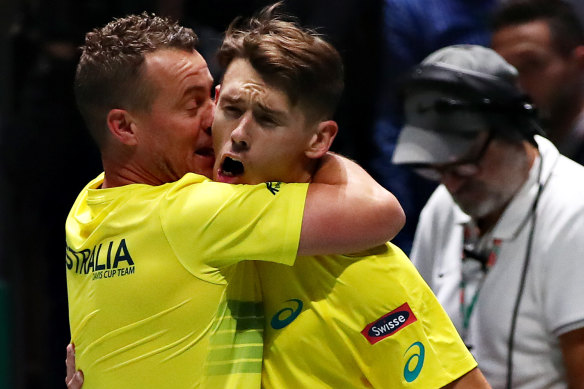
x,y
389,324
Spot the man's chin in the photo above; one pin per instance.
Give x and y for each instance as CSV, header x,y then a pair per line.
x,y
204,166
237,179
220,176
476,209
204,171
207,173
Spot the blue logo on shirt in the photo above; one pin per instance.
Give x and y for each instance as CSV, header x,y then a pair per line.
x,y
411,374
286,315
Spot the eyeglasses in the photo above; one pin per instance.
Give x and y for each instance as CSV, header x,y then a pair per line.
x,y
466,167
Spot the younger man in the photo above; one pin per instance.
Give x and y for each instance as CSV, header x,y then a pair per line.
x,y
343,321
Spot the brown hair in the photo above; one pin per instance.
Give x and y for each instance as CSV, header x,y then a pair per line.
x,y
297,60
567,32
109,71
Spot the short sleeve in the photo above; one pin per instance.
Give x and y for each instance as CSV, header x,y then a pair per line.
x,y
563,276
431,353
213,225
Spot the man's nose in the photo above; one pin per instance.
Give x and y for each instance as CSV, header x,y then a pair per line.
x,y
240,136
451,181
208,116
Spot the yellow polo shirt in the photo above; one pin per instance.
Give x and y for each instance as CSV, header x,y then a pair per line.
x,y
363,321
158,294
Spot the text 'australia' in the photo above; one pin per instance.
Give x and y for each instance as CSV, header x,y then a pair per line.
x,y
107,259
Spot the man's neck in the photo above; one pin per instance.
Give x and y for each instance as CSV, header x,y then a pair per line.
x,y
115,177
308,172
486,224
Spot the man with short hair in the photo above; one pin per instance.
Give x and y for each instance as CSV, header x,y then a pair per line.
x,y
158,256
359,320
500,240
544,40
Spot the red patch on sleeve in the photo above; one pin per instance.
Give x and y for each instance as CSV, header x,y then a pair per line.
x,y
389,324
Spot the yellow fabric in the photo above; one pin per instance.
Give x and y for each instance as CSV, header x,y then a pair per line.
x,y
158,295
329,300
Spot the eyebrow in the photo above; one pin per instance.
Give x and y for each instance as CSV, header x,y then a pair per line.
x,y
195,89
273,112
192,90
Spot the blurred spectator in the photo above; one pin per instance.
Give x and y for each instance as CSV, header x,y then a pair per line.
x,y
501,239
413,29
544,40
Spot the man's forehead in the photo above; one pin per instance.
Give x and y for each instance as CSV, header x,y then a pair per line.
x,y
258,101
253,89
175,61
178,72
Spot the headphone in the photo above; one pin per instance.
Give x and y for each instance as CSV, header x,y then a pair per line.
x,y
505,106
511,114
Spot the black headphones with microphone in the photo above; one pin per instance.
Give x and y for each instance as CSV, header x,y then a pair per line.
x,y
505,106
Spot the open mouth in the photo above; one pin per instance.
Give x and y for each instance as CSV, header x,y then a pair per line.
x,y
231,167
205,152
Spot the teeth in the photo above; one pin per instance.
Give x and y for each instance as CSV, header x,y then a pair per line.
x,y
232,167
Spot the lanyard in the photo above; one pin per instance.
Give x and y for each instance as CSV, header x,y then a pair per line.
x,y
475,267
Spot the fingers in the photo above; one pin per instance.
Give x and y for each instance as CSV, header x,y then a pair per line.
x,y
70,362
74,379
77,381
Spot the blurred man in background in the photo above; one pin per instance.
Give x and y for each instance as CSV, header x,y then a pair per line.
x,y
544,40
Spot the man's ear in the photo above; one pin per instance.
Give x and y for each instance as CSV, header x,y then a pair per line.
x,y
322,140
578,55
217,92
122,126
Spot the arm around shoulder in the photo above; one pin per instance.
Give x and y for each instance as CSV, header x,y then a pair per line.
x,y
346,210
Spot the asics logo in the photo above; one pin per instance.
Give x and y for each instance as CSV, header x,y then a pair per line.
x,y
411,370
286,315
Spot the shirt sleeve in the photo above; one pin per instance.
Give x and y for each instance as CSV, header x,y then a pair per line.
x,y
562,283
426,347
213,225
427,240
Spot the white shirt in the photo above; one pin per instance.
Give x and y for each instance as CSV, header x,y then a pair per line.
x,y
553,298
